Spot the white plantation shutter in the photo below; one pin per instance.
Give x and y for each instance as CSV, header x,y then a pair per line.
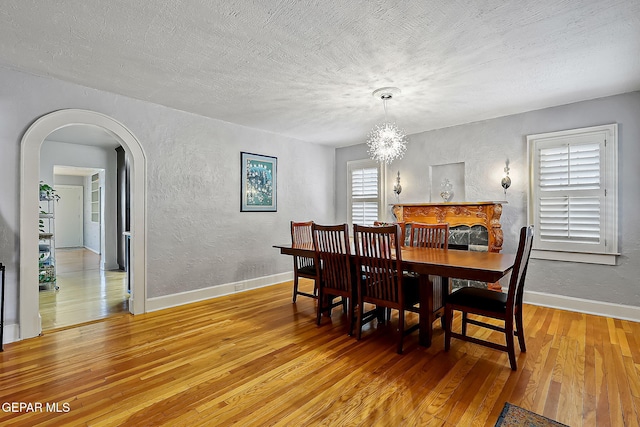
x,y
570,219
364,192
571,166
572,194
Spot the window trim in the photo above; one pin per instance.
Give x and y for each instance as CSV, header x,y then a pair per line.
x,y
361,164
608,255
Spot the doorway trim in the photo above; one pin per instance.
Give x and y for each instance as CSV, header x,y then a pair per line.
x,y
30,324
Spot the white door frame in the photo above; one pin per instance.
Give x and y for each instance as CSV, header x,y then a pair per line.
x,y
30,323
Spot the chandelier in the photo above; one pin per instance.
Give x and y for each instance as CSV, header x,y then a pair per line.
x,y
386,142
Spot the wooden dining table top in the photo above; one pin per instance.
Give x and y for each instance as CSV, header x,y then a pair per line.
x,y
461,264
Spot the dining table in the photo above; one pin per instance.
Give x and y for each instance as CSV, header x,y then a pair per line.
x,y
445,263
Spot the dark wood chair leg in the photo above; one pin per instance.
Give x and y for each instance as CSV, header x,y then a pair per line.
x,y
401,327
359,322
320,301
520,329
464,323
295,288
448,322
351,317
511,350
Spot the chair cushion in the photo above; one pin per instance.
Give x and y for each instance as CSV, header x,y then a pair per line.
x,y
482,299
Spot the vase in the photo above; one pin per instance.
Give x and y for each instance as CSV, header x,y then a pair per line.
x,y
446,190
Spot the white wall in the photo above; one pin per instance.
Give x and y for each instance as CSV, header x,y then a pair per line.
x,y
197,236
485,146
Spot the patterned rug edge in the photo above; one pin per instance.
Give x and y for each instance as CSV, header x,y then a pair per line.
x,y
513,416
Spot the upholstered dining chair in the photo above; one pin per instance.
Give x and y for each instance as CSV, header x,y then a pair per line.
x,y
336,276
380,278
497,305
301,234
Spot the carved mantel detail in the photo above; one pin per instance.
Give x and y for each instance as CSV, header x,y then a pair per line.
x,y
486,214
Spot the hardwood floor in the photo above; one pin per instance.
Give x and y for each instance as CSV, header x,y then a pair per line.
x,y
256,359
85,293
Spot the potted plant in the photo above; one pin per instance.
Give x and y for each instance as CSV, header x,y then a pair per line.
x,y
47,192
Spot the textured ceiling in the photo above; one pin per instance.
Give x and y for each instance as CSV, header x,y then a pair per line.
x,y
307,68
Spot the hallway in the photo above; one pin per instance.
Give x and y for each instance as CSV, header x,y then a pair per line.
x,y
86,293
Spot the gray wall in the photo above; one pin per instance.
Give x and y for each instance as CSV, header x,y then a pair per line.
x,y
78,155
197,236
485,146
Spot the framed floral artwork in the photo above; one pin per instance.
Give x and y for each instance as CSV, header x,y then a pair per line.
x,y
258,192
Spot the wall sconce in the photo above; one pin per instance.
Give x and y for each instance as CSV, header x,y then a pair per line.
x,y
397,188
506,181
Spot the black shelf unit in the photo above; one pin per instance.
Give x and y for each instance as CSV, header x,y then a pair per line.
x,y
2,269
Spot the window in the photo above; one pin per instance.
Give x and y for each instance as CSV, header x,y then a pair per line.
x,y
366,199
573,192
95,197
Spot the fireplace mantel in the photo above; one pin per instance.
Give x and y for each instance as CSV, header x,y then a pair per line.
x,y
486,214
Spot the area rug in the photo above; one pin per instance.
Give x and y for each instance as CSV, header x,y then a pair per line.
x,y
513,416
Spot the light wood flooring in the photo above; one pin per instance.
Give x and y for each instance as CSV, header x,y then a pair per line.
x,y
85,293
256,359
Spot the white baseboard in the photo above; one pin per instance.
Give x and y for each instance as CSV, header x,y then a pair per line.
x,y
598,308
11,333
173,300
92,250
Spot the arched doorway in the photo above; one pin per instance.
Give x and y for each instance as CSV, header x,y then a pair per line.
x,y
29,199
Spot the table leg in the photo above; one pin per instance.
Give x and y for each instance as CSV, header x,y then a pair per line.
x,y
426,310
445,291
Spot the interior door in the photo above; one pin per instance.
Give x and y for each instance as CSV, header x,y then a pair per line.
x,y
69,216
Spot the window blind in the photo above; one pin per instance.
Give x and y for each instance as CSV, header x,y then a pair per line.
x,y
364,196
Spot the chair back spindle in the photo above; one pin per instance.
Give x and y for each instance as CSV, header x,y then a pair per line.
x,y
429,235
401,228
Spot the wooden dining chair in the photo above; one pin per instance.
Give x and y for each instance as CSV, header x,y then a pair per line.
x,y
429,235
336,276
380,278
402,226
497,305
301,234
